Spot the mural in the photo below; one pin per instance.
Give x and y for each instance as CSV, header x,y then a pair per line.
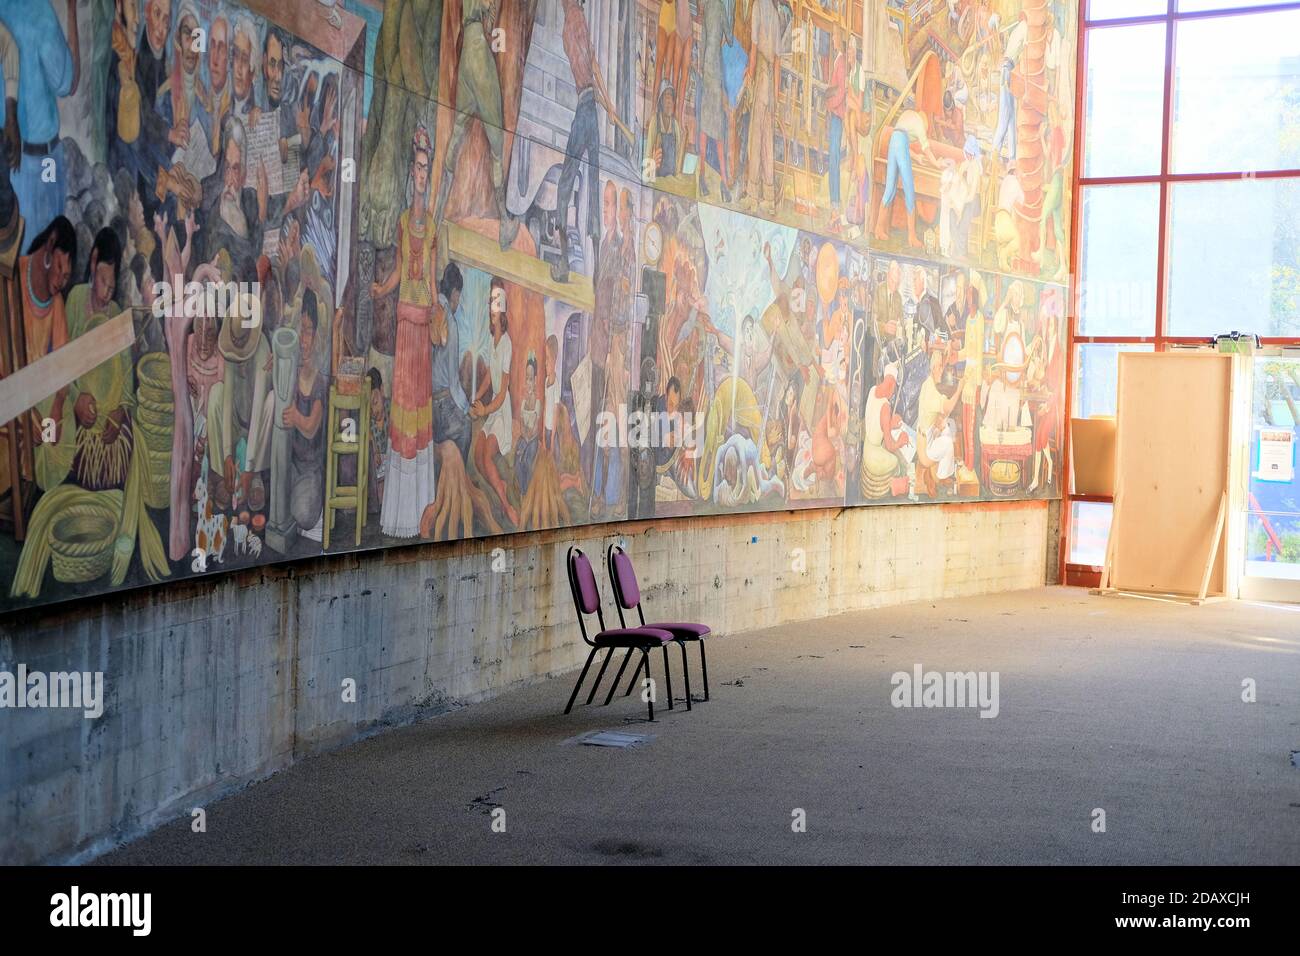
x,y
284,278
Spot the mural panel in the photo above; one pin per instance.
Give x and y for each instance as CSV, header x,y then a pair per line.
x,y
289,278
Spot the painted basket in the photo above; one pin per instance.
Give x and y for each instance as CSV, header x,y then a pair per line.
x,y
81,543
154,371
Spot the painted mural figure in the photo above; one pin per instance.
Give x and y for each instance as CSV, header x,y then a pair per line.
x,y
496,435
960,201
215,97
886,443
837,113
43,277
600,459
305,415
243,49
1048,366
104,406
974,383
1002,408
742,478
233,215
1005,134
203,363
936,434
478,96
584,135
405,72
274,100
318,126
666,139
240,414
761,79
715,134
142,139
673,46
180,99
910,128
411,472
451,420
49,67
11,140
1057,153
528,440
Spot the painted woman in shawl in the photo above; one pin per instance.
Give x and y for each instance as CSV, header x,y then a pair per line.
x,y
105,396
409,483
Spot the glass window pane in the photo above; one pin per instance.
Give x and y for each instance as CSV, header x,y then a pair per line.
x,y
1237,93
1192,6
1124,106
1096,377
1120,244
1234,257
1114,9
1089,528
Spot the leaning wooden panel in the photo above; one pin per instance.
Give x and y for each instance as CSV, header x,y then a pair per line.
x,y
1172,454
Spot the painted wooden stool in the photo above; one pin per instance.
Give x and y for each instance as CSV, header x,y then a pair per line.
x,y
355,442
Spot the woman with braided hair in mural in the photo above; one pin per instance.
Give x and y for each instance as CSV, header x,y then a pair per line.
x,y
410,477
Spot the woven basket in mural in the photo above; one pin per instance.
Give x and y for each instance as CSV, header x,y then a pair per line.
x,y
81,542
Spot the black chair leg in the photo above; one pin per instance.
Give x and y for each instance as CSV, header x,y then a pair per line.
x,y
614,686
618,678
668,677
581,678
650,698
704,666
635,674
686,674
600,674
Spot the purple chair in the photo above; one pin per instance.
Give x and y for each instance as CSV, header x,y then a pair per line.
x,y
627,595
586,598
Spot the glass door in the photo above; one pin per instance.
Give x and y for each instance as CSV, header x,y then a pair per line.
x,y
1272,526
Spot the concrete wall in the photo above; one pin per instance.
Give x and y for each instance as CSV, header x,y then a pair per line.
x,y
210,686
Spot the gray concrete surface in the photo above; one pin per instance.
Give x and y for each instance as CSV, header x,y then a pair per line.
x,y
1132,706
213,684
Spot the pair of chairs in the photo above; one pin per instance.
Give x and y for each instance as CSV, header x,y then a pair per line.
x,y
643,638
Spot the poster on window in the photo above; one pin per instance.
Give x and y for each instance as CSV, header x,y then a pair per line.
x,y
1276,455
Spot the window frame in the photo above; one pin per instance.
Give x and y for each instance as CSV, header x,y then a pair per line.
x,y
1089,575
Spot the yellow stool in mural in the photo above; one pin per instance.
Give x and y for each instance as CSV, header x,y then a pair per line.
x,y
353,441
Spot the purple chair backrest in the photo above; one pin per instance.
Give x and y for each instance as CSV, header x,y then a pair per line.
x,y
584,579
626,589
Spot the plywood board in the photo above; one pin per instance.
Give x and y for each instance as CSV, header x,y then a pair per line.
x,y
1092,441
1173,448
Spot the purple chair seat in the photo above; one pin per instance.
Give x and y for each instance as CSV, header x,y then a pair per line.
x,y
682,631
632,637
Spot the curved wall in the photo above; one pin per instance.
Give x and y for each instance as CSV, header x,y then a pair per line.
x,y
516,265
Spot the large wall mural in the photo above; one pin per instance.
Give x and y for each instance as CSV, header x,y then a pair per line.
x,y
289,277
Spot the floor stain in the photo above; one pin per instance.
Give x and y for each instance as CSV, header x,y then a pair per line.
x,y
485,803
627,848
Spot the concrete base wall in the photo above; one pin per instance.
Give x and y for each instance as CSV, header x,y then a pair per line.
x,y
210,686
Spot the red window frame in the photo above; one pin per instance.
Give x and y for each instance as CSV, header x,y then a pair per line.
x,y
1089,575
